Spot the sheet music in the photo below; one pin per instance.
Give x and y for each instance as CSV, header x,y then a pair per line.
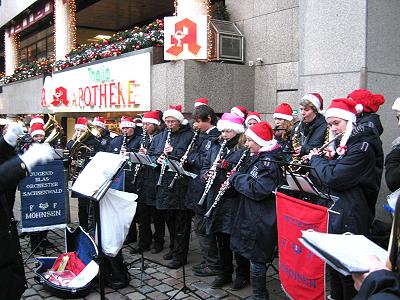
x,y
347,253
141,158
98,173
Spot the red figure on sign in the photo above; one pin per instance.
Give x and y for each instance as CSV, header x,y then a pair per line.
x,y
185,33
60,96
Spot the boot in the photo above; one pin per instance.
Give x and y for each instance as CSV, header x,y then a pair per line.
x,y
259,286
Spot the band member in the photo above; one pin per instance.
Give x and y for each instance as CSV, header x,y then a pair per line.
x,y
105,139
12,274
252,118
367,106
348,174
205,121
200,101
254,232
283,117
173,142
240,111
129,141
145,181
222,156
311,131
392,163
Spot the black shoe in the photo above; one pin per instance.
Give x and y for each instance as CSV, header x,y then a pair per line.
x,y
156,250
173,264
199,266
168,256
240,283
205,272
139,249
220,281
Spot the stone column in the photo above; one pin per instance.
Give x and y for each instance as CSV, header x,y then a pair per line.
x,y
11,43
65,27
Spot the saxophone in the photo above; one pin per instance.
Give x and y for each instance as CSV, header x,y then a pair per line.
x,y
294,163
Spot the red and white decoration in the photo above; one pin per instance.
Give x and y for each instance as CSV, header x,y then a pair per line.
x,y
127,122
152,117
283,111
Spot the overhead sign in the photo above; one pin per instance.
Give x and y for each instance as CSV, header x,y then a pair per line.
x,y
121,84
185,37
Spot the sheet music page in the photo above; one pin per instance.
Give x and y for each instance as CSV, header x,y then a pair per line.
x,y
97,172
345,252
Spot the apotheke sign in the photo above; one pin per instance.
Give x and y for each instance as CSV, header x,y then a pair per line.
x,y
116,85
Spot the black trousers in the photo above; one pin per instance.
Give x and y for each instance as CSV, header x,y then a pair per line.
x,y
207,242
179,224
342,287
226,258
83,212
145,214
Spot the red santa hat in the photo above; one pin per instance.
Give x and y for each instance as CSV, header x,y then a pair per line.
x,y
36,128
127,122
315,100
366,101
151,117
230,121
175,111
81,123
239,110
36,119
200,101
343,108
252,115
283,111
100,121
262,134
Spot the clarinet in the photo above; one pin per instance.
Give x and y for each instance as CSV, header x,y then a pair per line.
x,y
123,146
164,164
137,167
226,184
184,157
213,169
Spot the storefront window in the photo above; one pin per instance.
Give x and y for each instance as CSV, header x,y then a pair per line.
x,y
41,51
31,53
42,48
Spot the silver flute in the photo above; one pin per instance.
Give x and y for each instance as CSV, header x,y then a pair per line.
x,y
213,170
184,157
164,164
137,167
226,184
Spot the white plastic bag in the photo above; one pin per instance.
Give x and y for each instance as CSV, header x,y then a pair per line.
x,y
117,210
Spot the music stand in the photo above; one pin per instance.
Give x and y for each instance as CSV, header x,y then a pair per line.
x,y
175,166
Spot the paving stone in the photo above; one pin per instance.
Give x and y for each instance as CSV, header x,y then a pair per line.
x,y
115,296
153,282
29,292
160,276
136,296
180,295
135,282
171,281
38,287
92,296
216,293
126,290
145,289
150,270
157,296
35,297
44,293
163,288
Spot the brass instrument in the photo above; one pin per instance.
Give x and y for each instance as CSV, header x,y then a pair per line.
x,y
164,164
226,184
137,167
52,129
79,151
184,157
213,170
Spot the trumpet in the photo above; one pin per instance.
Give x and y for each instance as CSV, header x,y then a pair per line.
x,y
164,163
213,171
184,157
137,167
226,184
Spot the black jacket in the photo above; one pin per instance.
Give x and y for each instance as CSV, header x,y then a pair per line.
x,y
380,285
365,118
166,197
194,164
352,178
12,274
392,166
311,135
254,232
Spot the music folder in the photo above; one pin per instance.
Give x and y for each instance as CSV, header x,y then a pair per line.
x,y
141,158
175,166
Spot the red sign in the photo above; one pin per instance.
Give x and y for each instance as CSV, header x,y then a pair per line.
x,y
302,274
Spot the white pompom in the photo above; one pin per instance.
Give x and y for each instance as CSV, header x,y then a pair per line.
x,y
359,108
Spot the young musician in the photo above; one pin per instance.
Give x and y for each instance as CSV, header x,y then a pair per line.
x,y
12,274
205,120
145,182
254,232
252,118
105,139
173,141
220,160
283,117
349,173
392,163
311,131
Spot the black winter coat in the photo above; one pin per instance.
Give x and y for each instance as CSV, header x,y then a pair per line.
x,y
194,164
352,178
254,232
311,135
12,274
380,285
365,118
167,198
392,166
224,213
